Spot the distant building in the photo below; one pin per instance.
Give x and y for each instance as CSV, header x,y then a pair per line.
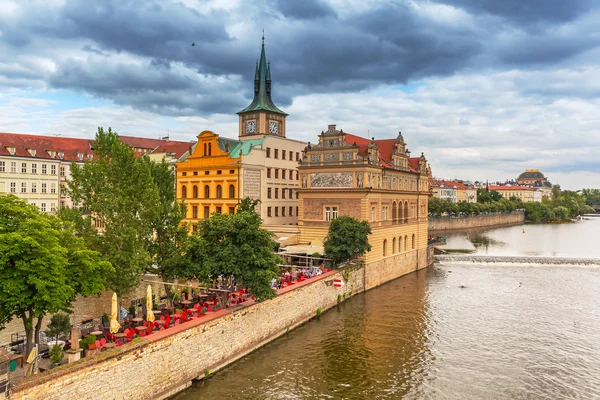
x,y
531,176
524,193
455,191
534,178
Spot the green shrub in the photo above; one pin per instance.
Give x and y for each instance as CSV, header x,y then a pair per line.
x,y
56,354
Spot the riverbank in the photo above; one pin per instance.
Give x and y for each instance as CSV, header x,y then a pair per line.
x,y
166,362
437,224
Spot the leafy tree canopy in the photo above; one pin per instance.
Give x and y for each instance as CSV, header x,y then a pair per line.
x,y
117,190
43,265
347,239
168,234
235,247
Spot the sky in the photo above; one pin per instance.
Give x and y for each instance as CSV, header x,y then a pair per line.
x,y
485,88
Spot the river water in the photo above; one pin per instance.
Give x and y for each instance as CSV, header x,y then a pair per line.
x,y
514,332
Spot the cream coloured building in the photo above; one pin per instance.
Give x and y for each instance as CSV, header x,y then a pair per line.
x,y
36,168
524,193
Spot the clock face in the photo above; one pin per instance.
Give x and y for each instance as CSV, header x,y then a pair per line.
x,y
273,127
251,126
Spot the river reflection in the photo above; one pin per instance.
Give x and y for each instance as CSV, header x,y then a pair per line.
x,y
577,239
514,332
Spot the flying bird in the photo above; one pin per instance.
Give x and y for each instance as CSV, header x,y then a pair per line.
x,y
193,44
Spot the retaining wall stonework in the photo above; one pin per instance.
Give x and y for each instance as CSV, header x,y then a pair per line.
x,y
166,362
477,221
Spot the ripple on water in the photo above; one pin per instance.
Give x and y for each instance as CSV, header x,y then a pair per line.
x,y
513,333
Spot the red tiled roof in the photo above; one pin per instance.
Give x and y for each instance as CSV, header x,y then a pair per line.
x,y
71,147
386,148
42,144
176,148
450,184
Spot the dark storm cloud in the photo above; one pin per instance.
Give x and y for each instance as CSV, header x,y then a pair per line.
x,y
139,52
529,12
305,9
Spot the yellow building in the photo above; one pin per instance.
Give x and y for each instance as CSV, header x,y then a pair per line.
x,y
208,180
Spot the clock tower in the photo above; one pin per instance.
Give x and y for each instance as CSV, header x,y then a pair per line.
x,y
262,117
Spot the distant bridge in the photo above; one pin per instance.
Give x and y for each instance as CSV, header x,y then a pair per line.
x,y
479,259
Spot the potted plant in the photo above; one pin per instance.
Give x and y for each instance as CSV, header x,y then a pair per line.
x,y
132,310
91,342
56,354
105,319
59,326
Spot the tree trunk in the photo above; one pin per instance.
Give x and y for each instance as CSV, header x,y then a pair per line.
x,y
38,328
167,290
27,324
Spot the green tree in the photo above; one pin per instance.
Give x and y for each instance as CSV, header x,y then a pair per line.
x,y
59,325
43,266
168,234
592,197
561,212
347,239
117,190
233,246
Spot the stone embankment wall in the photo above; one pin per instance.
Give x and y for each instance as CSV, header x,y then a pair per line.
x,y
476,221
166,362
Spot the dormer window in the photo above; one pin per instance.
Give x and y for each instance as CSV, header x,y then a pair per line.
x,y
61,155
11,150
80,156
32,152
90,156
52,153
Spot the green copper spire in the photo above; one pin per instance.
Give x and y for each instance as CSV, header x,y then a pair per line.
x,y
262,87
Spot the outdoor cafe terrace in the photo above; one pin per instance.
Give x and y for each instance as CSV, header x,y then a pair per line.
x,y
196,305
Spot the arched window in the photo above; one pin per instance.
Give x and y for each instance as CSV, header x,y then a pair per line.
x,y
219,191
406,212
195,192
231,191
183,191
405,240
400,213
210,149
414,243
384,247
394,217
394,246
206,192
399,244
205,152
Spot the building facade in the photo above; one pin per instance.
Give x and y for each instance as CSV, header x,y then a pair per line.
x,y
370,180
524,193
36,168
455,191
262,164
